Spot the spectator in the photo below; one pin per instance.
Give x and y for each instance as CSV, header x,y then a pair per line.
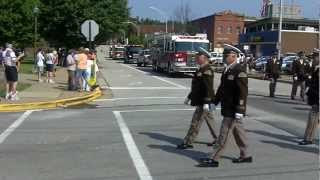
x,y
1,51
71,66
55,62
50,66
81,61
10,63
40,64
92,69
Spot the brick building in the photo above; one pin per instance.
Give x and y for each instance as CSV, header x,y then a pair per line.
x,y
222,27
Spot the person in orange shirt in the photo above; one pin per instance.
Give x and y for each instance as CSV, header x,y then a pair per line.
x,y
81,64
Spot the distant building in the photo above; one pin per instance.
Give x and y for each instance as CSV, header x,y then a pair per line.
x,y
261,37
290,11
222,27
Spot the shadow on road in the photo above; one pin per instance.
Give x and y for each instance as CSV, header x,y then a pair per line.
x,y
192,154
296,147
289,139
276,136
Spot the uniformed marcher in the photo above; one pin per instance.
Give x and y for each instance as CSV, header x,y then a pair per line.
x,y
202,95
273,69
232,94
299,70
313,101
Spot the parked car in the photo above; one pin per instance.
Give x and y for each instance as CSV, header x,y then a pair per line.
x,y
217,58
144,58
118,52
286,66
260,63
132,53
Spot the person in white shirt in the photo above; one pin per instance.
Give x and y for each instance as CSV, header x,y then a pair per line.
x,y
10,63
40,64
50,66
71,66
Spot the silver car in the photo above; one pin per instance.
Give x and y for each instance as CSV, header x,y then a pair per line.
x,y
144,58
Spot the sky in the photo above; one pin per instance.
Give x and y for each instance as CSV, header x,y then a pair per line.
x,y
201,8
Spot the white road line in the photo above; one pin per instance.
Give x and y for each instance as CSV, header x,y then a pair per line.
x,y
136,98
170,82
14,126
135,155
143,72
143,88
156,77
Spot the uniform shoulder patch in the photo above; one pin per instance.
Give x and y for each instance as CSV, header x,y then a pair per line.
x,y
242,75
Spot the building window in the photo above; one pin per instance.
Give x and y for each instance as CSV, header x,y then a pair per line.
x,y
238,30
220,30
229,30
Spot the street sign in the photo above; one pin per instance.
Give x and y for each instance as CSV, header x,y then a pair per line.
x,y
90,29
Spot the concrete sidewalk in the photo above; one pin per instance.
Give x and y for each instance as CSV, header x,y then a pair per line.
x,y
45,92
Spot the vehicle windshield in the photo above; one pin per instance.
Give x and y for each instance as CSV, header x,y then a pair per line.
x,y
191,46
119,49
135,49
147,52
289,59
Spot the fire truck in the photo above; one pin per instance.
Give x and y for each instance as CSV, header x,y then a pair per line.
x,y
176,53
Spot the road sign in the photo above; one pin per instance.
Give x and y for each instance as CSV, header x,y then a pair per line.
x,y
90,29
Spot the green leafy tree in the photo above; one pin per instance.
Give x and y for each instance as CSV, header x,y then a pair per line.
x,y
17,22
61,19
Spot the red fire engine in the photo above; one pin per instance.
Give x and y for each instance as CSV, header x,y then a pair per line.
x,y
176,53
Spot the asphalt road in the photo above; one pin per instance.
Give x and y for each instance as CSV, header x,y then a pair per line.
x,y
134,134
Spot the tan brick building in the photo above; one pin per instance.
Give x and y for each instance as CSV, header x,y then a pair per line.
x,y
222,27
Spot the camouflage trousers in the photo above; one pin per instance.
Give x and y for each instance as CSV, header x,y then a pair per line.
x,y
312,124
198,117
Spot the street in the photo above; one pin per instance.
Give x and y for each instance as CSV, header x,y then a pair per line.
x,y
134,135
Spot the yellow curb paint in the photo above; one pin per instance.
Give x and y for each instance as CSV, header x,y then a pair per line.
x,y
51,104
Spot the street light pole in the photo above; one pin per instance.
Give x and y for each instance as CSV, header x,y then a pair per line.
x,y
280,30
35,13
166,20
163,14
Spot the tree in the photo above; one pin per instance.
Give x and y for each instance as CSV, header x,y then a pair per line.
x,y
17,21
61,19
182,14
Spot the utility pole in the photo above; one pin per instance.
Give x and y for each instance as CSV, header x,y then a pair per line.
x,y
279,46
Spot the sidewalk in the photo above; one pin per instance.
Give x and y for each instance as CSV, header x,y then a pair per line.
x,y
48,93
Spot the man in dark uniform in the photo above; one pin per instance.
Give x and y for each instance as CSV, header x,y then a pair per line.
x,y
313,101
299,68
273,69
202,95
232,94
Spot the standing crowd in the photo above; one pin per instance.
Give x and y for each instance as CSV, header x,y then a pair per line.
x,y
81,65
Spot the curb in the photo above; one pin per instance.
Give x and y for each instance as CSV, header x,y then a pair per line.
x,y
51,104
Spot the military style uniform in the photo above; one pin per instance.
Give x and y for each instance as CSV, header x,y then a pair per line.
x,y
313,101
202,92
232,94
299,69
273,69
